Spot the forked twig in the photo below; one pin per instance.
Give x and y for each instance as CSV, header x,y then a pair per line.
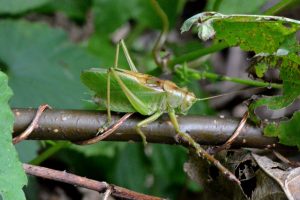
x,y
32,126
107,132
73,179
236,133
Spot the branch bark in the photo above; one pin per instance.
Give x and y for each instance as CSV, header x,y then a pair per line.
x,y
78,125
101,187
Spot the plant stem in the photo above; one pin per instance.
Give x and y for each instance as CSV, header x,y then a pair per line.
x,y
214,76
279,7
198,53
49,152
163,35
217,77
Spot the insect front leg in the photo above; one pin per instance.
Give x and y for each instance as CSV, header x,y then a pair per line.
x,y
108,121
145,122
199,150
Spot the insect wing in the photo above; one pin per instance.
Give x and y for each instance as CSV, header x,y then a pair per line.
x,y
96,80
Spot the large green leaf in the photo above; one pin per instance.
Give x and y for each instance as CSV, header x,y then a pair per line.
x,y
258,33
286,131
167,169
43,66
17,6
271,38
274,42
112,14
287,60
73,9
12,176
290,75
131,169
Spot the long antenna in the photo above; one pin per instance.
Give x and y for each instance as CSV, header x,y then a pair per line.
x,y
229,93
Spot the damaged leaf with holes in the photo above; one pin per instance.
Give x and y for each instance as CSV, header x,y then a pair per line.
x,y
287,131
258,33
273,40
287,60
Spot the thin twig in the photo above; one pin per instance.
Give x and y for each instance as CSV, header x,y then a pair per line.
x,y
32,126
190,56
236,133
280,6
106,133
286,160
73,179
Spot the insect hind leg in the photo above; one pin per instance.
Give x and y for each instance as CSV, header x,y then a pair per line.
x,y
199,150
145,122
128,58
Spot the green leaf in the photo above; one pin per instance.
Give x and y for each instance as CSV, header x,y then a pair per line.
x,y
43,65
107,149
288,64
149,18
27,150
73,9
271,38
112,14
106,50
17,6
12,176
260,69
286,131
167,169
290,74
130,169
258,33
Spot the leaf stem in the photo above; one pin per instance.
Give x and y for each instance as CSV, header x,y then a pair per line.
x,y
215,76
198,53
279,7
197,74
49,152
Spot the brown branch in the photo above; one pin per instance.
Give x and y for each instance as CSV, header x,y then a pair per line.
x,y
107,133
69,178
32,126
78,125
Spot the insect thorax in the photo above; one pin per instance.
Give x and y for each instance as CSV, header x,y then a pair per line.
x,y
179,98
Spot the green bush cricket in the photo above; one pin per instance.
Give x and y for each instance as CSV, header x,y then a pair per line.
x,y
122,90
